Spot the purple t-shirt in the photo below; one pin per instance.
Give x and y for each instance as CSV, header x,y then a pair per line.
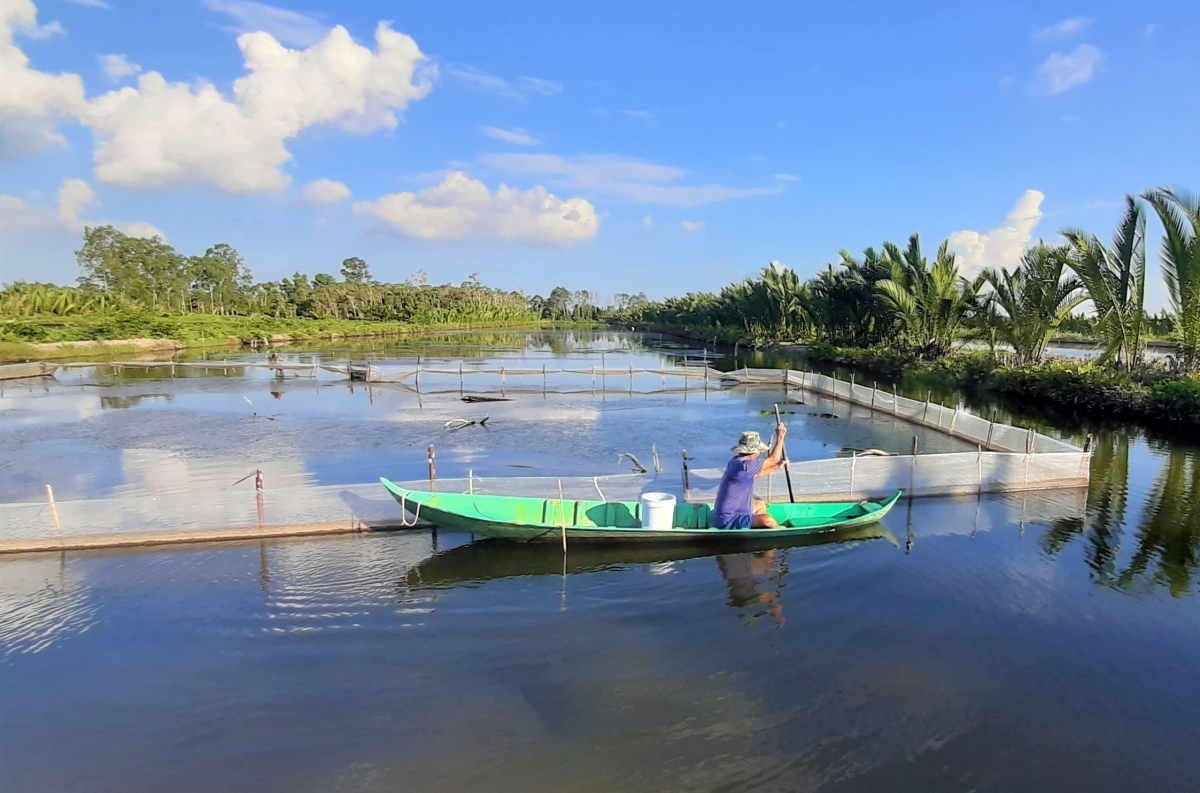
x,y
735,496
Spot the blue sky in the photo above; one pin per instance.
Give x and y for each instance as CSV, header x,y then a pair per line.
x,y
656,147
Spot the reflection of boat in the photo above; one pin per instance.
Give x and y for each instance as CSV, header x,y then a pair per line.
x,y
532,519
490,560
16,371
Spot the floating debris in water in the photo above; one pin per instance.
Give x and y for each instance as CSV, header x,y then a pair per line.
x,y
637,466
458,424
477,398
852,452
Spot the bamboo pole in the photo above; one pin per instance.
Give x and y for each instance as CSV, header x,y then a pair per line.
x,y
53,508
562,511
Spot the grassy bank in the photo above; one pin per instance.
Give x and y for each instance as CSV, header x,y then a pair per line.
x,y
1150,395
64,337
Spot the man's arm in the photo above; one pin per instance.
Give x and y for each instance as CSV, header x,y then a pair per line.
x,y
774,459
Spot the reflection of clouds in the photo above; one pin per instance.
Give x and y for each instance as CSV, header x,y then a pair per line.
x,y
163,472
39,605
164,490
335,585
58,406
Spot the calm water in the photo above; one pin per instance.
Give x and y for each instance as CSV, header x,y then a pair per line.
x,y
1045,643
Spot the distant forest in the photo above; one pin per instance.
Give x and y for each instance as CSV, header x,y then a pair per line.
x,y
123,274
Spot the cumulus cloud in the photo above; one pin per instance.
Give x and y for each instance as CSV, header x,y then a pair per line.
x,y
515,136
633,179
1064,28
325,191
1001,247
462,208
31,102
521,88
162,134
73,197
691,225
117,67
290,27
1060,72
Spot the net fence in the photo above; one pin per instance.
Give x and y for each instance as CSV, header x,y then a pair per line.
x,y
956,422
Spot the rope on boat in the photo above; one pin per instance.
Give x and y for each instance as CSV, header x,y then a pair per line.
x,y
404,511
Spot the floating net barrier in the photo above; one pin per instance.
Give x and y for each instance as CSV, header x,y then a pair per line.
x,y
1008,459
958,423
367,505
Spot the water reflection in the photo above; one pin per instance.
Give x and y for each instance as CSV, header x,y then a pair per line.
x,y
1158,546
753,573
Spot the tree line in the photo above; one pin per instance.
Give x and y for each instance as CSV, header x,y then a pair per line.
x,y
127,274
899,298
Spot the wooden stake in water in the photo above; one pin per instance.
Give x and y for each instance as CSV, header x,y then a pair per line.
x,y
432,469
687,485
562,507
53,508
258,497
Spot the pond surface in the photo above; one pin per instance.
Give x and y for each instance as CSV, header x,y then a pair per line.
x,y
1045,642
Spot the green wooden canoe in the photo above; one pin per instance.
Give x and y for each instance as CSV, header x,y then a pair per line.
x,y
533,519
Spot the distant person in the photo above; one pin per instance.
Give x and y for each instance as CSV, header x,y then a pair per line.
x,y
736,506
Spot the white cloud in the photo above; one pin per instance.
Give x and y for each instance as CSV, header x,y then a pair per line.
x,y
35,31
325,191
289,27
522,88
515,136
140,229
73,197
645,116
786,177
461,208
636,180
1060,72
117,67
90,3
162,134
1064,28
1148,31
690,225
648,220
1002,246
31,101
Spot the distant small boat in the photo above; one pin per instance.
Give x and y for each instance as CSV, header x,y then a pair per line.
x,y
18,371
538,519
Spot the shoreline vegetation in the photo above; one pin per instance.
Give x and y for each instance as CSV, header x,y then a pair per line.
x,y
896,311
138,294
892,311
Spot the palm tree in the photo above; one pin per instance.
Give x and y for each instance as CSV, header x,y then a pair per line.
x,y
930,303
1115,280
1026,305
1180,263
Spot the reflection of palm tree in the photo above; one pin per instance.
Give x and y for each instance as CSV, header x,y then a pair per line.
x,y
1107,500
1170,530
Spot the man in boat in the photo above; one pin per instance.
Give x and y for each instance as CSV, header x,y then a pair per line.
x,y
736,506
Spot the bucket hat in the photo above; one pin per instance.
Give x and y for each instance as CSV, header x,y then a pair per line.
x,y
750,443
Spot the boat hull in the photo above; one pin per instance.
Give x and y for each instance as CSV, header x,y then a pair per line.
x,y
537,520
21,371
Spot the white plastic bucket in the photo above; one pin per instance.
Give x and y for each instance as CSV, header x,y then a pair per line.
x,y
658,510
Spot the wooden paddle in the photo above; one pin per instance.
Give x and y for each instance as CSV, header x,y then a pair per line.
x,y
787,472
